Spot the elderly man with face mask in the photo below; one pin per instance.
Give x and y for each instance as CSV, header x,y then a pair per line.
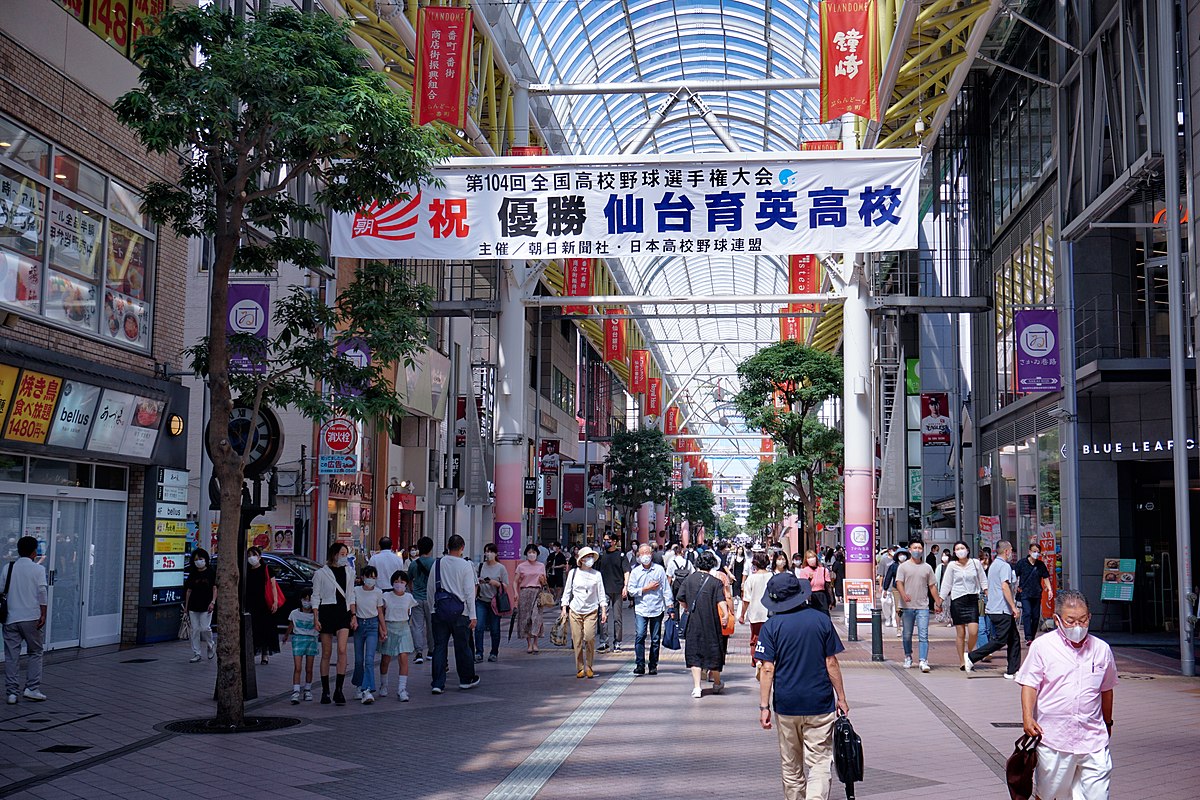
x,y
650,589
1067,686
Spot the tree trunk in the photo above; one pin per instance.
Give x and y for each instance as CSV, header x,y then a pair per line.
x,y
228,470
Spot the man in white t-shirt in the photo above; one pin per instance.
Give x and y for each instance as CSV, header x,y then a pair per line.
x,y
453,574
387,562
26,591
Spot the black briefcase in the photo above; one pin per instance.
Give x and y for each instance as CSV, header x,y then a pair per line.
x,y
847,754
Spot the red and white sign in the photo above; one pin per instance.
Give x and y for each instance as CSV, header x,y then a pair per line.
x,y
849,59
340,435
802,274
443,65
671,421
821,144
654,397
614,337
577,282
789,325
639,367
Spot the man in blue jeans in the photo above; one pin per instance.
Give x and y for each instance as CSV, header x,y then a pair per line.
x,y
916,584
1033,578
647,585
453,576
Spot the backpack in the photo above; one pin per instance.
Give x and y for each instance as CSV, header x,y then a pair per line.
x,y
681,573
446,606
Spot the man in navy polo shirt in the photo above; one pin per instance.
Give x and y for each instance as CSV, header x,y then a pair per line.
x,y
798,649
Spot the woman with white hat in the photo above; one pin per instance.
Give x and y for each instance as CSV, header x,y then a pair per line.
x,y
583,601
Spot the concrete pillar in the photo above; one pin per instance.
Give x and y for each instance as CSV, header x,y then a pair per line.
x,y
511,449
643,520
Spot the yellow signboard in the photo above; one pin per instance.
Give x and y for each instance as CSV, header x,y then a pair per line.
x,y
170,544
8,382
168,527
33,408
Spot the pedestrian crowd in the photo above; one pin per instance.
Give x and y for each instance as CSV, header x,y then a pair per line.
x,y
404,611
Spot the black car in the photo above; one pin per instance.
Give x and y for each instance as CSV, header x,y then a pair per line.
x,y
295,576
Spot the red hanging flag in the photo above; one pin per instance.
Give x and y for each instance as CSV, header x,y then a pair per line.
x,y
789,325
443,65
614,337
849,59
671,422
578,283
802,274
654,397
639,367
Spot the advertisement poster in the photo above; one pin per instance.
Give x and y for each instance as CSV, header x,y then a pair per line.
x,y
861,591
935,425
508,540
1037,350
142,432
548,456
112,418
284,539
989,532
1117,579
32,408
249,312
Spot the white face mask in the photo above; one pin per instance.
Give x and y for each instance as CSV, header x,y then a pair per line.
x,y
587,562
199,563
399,587
489,556
1074,634
412,553
812,562
306,604
253,561
960,552
945,559
342,561
369,583
531,556
645,560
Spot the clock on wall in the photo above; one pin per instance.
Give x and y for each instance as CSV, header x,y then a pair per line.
x,y
264,440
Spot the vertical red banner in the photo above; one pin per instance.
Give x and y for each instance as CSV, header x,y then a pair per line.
x,y
614,337
639,368
671,421
802,274
681,444
578,283
443,65
789,325
654,397
849,59
767,450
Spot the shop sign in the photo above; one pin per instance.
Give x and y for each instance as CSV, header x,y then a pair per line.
x,y
76,410
859,539
164,561
639,368
172,477
112,418
1142,448
337,465
176,511
166,527
173,494
160,597
614,338
1117,579
646,205
442,66
1037,350
166,579
32,408
508,540
358,488
142,431
654,397
8,382
578,280
170,544
849,59
916,489
249,312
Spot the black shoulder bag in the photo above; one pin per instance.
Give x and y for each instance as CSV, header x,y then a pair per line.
x,y
4,594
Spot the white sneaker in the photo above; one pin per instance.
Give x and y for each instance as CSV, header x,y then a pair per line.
x,y
420,659
212,651
308,695
367,698
1008,677
696,693
34,694
968,665
12,700
908,662
924,666
358,694
402,696
383,692
296,697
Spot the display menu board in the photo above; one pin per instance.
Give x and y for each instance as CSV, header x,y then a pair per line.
x,y
1117,579
32,408
112,418
142,432
73,419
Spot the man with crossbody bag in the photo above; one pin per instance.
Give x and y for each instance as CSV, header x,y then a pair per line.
x,y
453,616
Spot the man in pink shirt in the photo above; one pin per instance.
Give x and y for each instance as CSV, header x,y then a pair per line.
x,y
1067,685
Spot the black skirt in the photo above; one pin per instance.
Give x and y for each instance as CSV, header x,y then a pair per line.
x,y
964,610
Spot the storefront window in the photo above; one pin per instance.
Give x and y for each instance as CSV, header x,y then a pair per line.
x,y
59,473
12,468
95,275
1008,491
1026,529
1049,499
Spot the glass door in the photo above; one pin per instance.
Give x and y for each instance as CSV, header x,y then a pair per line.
x,y
68,557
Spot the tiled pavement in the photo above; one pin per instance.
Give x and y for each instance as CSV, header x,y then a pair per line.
x,y
940,735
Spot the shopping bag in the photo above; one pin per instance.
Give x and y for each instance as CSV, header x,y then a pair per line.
x,y
558,634
1018,770
670,637
185,624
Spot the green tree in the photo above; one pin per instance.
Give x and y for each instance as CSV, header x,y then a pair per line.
x,y
695,504
639,463
255,108
769,500
782,385
729,526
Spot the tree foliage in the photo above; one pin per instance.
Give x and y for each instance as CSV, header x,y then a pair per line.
x,y
769,501
730,529
782,385
639,464
695,504
274,119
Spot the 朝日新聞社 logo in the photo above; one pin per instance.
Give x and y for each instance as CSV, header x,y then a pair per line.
x,y
396,220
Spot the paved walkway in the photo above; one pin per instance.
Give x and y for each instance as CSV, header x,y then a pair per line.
x,y
532,728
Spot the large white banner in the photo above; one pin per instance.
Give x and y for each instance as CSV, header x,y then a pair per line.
x,y
708,204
